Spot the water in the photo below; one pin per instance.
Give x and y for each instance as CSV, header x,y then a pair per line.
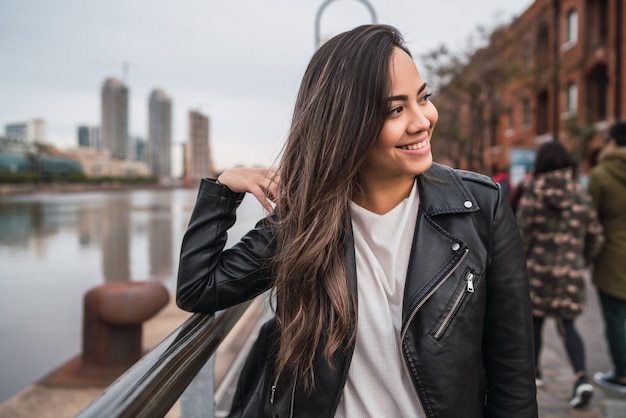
x,y
55,247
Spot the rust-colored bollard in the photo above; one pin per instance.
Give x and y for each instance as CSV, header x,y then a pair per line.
x,y
113,317
112,321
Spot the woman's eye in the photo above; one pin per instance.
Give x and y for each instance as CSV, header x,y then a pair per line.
x,y
426,97
395,111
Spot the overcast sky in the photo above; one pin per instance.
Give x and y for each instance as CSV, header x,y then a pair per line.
x,y
238,61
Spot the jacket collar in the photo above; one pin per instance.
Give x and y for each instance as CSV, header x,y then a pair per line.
x,y
442,190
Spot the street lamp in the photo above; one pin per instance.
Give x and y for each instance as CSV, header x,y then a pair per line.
x,y
318,17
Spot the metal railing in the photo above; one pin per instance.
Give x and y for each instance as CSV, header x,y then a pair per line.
x,y
153,385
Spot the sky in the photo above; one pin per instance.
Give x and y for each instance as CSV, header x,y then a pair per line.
x,y
239,62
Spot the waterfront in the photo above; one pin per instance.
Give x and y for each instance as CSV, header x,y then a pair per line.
x,y
56,246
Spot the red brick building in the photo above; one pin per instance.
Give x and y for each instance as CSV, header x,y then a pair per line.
x,y
556,71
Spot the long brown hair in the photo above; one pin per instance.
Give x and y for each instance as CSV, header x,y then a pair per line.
x,y
339,112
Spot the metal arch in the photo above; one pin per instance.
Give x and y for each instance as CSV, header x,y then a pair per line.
x,y
318,17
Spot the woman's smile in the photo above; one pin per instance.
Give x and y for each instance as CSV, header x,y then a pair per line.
x,y
415,146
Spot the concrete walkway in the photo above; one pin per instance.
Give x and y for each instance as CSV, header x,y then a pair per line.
x,y
558,375
43,401
555,394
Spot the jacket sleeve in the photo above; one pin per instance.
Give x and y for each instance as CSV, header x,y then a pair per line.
x,y
508,339
594,189
211,278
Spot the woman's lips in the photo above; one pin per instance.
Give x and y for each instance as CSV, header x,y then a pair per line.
x,y
415,146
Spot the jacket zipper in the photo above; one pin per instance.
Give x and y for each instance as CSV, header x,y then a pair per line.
x,y
470,288
293,395
273,391
432,291
457,302
414,312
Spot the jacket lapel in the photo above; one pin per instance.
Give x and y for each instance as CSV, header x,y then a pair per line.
x,y
435,252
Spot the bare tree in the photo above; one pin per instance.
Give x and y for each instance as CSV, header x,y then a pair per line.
x,y
467,86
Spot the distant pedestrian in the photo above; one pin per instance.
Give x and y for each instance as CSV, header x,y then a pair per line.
x,y
607,186
518,191
501,176
561,235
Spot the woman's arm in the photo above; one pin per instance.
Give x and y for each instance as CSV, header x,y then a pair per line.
x,y
508,339
209,278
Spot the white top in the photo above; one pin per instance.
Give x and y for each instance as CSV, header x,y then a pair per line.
x,y
378,383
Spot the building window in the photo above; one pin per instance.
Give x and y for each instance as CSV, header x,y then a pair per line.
x,y
527,56
527,114
543,113
572,27
596,28
542,51
597,93
572,98
510,119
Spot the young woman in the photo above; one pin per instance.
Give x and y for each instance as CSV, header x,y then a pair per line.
x,y
561,235
400,285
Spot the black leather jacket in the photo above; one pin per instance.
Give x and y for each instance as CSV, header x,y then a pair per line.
x,y
466,324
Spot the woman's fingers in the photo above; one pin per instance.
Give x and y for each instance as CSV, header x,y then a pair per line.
x,y
271,190
262,183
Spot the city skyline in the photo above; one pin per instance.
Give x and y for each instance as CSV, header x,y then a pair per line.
x,y
240,64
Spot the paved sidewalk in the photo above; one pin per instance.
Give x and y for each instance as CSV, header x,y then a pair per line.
x,y
554,395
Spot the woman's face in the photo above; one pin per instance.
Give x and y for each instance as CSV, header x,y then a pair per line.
x,y
402,149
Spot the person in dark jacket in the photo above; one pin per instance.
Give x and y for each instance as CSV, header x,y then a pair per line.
x,y
607,186
562,235
399,285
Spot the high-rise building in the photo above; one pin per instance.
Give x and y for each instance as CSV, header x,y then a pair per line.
x,y
16,131
160,134
184,161
114,124
198,151
140,152
31,131
88,136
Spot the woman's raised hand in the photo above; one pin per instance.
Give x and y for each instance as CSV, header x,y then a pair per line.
x,y
261,182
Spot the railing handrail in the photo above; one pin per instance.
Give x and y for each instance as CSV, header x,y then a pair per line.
x,y
153,385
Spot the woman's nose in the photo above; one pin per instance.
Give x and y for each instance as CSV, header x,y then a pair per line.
x,y
419,120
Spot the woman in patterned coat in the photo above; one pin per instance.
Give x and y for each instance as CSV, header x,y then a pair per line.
x,y
561,235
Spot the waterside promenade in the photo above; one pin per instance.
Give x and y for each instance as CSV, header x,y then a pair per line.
x,y
7,189
42,401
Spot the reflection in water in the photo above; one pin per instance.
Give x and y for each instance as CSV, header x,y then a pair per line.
x,y
19,221
160,248
16,221
55,247
100,221
27,221
89,227
116,241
